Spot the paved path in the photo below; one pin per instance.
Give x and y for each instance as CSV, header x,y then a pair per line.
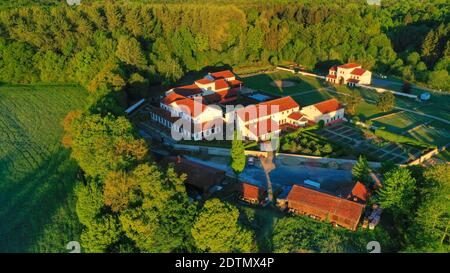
x,y
338,182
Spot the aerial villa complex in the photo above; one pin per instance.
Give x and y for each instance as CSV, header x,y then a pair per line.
x,y
350,74
203,108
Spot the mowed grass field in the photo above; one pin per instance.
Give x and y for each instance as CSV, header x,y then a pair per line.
x,y
264,82
400,122
36,174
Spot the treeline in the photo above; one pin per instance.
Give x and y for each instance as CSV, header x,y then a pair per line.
x,y
131,45
127,203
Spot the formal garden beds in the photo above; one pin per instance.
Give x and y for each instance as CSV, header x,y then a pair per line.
x,y
378,145
306,142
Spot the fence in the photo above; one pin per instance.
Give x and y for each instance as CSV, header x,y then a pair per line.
x,y
212,150
304,158
299,72
382,90
325,160
424,157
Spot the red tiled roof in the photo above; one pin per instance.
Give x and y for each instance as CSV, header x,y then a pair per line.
x,y
349,65
164,114
235,83
326,203
204,81
284,103
250,191
221,96
263,127
333,68
295,115
331,76
358,71
188,90
353,80
221,84
328,106
171,98
360,192
222,74
188,106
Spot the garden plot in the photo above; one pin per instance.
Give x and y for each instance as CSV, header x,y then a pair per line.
x,y
401,122
353,137
434,133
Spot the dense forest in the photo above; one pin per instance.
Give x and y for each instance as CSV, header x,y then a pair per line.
x,y
116,50
132,44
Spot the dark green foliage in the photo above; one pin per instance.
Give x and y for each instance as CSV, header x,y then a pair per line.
x,y
397,194
307,143
352,101
406,87
430,229
386,101
293,234
237,154
360,170
217,229
16,63
163,42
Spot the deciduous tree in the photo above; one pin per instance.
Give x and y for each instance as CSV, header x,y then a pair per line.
x,y
217,229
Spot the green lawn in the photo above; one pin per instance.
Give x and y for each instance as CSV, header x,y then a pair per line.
x,y
37,174
303,94
263,82
445,155
435,133
400,122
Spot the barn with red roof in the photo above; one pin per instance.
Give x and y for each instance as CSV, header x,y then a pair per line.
x,y
324,207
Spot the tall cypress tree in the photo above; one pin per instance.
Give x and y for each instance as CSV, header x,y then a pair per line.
x,y
360,171
237,155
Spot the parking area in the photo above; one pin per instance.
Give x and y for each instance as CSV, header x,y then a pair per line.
x,y
334,181
381,151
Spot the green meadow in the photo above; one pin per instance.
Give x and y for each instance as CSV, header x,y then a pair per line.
x,y
36,174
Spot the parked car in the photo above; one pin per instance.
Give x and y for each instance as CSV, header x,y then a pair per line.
x,y
251,161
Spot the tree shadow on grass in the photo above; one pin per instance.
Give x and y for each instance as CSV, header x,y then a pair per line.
x,y
262,221
264,83
28,205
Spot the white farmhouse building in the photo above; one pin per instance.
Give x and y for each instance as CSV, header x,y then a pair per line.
x,y
329,111
350,74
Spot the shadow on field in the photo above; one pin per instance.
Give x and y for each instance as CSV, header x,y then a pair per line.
x,y
27,206
262,220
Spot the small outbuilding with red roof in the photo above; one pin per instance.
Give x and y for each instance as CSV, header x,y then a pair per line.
x,y
251,193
